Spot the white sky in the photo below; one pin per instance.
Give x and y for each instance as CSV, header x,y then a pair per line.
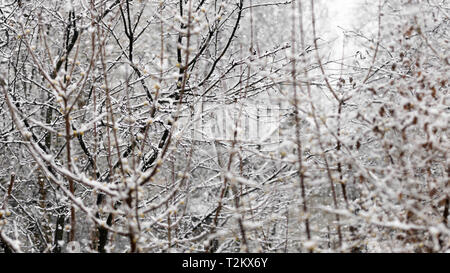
x,y
341,13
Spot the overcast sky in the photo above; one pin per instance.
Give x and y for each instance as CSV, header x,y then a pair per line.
x,y
341,13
